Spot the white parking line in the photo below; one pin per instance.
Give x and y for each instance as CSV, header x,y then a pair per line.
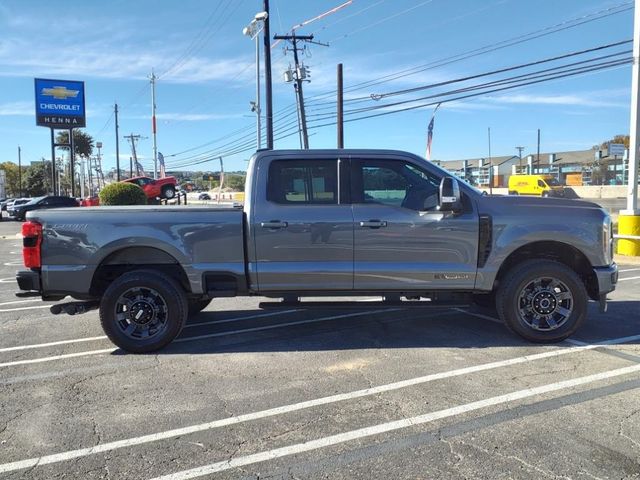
x,y
154,437
479,315
190,339
22,301
629,278
629,270
8,280
104,337
23,308
395,425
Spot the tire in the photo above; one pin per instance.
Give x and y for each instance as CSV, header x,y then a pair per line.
x,y
169,192
159,302
544,194
542,301
196,306
513,192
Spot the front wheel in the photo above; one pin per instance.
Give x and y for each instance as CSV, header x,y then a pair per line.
x,y
142,311
542,301
169,192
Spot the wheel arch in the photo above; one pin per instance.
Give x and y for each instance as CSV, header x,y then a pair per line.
x,y
127,259
557,251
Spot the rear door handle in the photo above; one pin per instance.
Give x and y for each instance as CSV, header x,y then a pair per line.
x,y
274,224
373,224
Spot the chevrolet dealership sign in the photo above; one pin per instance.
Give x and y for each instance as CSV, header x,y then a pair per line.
x,y
60,103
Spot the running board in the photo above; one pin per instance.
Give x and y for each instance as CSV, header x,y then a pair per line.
x,y
364,304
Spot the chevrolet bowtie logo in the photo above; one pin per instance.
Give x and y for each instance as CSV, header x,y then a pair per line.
x,y
61,93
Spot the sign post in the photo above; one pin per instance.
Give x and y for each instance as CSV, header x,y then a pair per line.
x,y
60,105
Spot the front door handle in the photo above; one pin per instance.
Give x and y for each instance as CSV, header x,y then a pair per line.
x,y
373,224
274,224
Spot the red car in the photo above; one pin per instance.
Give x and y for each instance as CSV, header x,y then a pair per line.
x,y
162,187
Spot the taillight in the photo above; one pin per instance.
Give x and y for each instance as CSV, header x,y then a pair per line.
x,y
31,241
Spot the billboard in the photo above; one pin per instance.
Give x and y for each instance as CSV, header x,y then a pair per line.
x,y
616,149
60,103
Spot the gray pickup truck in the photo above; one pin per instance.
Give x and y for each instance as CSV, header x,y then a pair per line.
x,y
326,223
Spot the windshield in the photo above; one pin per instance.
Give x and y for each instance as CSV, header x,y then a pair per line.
x,y
33,201
448,174
552,182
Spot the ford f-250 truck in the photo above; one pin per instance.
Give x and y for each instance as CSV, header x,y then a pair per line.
x,y
326,223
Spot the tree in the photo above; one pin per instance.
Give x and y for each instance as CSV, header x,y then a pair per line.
x,y
36,180
11,176
122,193
82,142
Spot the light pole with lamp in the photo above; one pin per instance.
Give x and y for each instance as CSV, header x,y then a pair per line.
x,y
253,31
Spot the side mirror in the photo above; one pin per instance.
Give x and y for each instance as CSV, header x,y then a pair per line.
x,y
450,199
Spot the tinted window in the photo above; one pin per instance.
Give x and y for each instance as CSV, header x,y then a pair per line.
x,y
541,184
394,183
303,182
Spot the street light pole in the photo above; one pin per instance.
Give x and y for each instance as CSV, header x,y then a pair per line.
x,y
253,31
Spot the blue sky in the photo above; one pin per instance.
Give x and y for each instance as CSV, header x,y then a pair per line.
x,y
207,73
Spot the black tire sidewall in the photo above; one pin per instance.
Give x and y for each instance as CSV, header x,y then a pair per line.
x,y
173,296
516,280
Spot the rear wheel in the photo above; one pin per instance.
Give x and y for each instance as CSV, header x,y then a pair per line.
x,y
142,311
513,192
169,192
542,301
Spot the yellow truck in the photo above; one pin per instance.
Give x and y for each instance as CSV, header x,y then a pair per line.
x,y
539,185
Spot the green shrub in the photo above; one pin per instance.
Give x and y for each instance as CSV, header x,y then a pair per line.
x,y
122,193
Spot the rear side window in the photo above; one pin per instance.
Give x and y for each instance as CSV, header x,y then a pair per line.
x,y
303,182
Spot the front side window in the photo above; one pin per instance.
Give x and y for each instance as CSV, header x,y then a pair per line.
x,y
394,183
298,182
541,184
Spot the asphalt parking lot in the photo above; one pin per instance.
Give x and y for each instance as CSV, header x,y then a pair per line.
x,y
340,394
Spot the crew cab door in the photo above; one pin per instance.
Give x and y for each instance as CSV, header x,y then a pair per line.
x,y
302,226
401,240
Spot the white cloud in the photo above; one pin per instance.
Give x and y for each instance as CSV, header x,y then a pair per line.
x,y
586,100
17,109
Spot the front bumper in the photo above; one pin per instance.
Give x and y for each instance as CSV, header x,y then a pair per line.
x,y
607,277
29,280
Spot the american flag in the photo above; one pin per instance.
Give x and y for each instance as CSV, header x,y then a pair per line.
x,y
163,173
430,132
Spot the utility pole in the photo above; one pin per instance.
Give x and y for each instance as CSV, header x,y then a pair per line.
x,y
221,179
629,219
267,76
19,171
299,75
153,79
520,149
538,156
133,139
117,145
490,164
340,122
72,161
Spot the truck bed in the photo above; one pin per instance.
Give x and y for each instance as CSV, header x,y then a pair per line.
x,y
79,240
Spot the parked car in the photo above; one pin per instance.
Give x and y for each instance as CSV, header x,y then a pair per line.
x,y
4,203
11,206
327,223
90,201
204,196
160,188
40,203
538,185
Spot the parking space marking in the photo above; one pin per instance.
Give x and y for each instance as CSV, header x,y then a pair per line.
x,y
23,308
629,270
628,278
395,425
104,337
154,437
13,302
248,317
13,264
479,315
51,344
8,280
198,337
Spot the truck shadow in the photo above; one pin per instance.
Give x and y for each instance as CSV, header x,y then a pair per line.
x,y
327,330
